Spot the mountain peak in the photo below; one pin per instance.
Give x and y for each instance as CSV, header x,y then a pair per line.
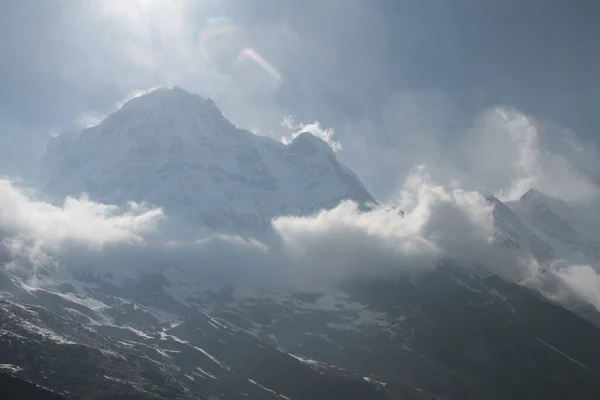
x,y
307,142
175,149
491,199
533,193
169,98
551,215
535,196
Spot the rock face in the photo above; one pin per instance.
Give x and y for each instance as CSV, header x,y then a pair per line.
x,y
456,332
101,346
175,149
452,333
15,388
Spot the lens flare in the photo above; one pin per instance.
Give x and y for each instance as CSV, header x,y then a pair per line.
x,y
219,37
252,55
224,45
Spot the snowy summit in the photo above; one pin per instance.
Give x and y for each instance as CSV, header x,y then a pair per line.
x,y
175,149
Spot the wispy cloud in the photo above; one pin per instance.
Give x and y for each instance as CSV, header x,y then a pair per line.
x,y
436,222
499,150
314,129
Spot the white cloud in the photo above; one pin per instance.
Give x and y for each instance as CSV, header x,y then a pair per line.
x,y
505,155
86,236
583,280
437,222
314,129
79,221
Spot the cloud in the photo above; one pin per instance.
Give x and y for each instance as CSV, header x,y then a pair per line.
x,y
437,222
498,150
314,129
78,221
426,223
345,242
83,236
506,154
215,260
584,281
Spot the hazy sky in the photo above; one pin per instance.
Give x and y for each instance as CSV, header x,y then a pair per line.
x,y
399,81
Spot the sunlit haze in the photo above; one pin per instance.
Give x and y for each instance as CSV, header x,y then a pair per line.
x,y
381,198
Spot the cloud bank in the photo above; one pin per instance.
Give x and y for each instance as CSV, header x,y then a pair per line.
x,y
78,220
84,236
429,222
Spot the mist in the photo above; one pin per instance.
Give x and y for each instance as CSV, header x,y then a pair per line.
x,y
428,222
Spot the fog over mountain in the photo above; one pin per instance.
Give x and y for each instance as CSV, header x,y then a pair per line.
x,y
306,202
187,169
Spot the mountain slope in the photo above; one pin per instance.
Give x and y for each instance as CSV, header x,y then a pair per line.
x,y
573,234
175,149
512,231
74,343
15,388
458,332
454,331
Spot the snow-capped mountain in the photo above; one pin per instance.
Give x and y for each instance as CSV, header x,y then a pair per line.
x,y
552,216
175,149
571,233
454,332
512,231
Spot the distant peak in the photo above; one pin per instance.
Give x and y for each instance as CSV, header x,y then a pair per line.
x,y
308,141
492,199
533,193
170,98
534,196
165,93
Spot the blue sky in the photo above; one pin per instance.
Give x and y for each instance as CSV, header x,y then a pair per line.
x,y
401,82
